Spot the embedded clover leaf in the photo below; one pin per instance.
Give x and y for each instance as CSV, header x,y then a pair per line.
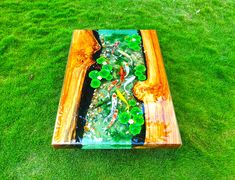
x,y
134,38
139,119
134,129
100,60
132,102
93,74
124,117
135,111
133,42
109,77
107,67
104,73
141,77
138,73
134,46
95,83
140,68
128,39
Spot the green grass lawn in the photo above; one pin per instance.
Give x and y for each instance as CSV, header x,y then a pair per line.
x,y
197,42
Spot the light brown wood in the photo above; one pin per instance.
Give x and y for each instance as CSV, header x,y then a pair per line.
x,y
83,46
161,125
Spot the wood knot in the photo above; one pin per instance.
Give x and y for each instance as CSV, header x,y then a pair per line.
x,y
142,90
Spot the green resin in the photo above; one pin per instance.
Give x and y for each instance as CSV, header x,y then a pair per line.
x,y
111,120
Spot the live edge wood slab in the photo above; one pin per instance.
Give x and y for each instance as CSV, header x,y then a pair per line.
x,y
160,127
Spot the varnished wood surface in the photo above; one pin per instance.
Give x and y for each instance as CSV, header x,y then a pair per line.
x,y
83,46
161,126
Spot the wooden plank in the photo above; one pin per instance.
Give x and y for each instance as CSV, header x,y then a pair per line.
x,y
83,46
161,125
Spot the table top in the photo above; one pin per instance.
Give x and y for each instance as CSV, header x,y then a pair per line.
x,y
115,93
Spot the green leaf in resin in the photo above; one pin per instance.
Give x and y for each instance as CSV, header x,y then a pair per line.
x,y
124,117
134,46
133,42
107,67
138,73
109,77
128,39
104,73
141,77
134,129
136,38
135,110
100,60
140,68
139,119
95,83
132,102
93,74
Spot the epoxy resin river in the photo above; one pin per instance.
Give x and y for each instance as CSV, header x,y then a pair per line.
x,y
114,116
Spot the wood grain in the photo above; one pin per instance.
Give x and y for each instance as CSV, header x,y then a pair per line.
x,y
83,46
160,119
